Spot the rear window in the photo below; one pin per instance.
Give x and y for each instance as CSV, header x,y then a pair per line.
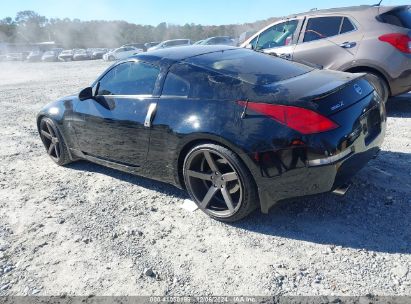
x,y
399,17
250,66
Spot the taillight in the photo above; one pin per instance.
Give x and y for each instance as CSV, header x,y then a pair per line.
x,y
302,120
401,42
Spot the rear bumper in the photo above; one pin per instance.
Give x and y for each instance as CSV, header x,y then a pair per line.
x,y
318,173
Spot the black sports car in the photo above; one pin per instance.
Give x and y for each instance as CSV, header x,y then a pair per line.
x,y
238,129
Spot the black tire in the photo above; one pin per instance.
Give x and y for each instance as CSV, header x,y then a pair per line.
x,y
53,142
234,193
380,85
111,58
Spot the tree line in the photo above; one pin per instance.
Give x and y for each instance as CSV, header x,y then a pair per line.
x,y
30,27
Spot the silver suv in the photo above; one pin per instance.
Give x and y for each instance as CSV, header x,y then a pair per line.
x,y
370,39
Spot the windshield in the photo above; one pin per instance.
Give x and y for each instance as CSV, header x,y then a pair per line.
x,y
250,66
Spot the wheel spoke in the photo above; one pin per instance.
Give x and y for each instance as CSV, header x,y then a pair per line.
x,y
51,148
199,175
208,196
227,199
45,134
210,161
50,129
56,150
229,177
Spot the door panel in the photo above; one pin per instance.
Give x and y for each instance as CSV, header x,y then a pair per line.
x,y
112,128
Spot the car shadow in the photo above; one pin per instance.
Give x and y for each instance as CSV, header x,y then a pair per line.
x,y
399,106
364,219
374,214
129,178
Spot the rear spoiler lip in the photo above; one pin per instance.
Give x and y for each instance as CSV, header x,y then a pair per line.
x,y
336,89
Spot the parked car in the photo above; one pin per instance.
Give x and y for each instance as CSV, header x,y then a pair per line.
x,y
137,46
151,44
35,56
66,55
81,54
245,36
370,39
98,53
170,43
49,56
122,53
220,40
15,57
237,129
198,42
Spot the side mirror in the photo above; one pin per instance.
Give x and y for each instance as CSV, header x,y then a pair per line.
x,y
86,93
249,46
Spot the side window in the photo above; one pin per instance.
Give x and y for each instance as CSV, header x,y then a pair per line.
x,y
322,27
278,35
130,78
175,86
347,26
253,43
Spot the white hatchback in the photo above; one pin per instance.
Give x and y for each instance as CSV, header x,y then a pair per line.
x,y
122,53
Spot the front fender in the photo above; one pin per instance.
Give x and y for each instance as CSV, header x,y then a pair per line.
x,y
59,111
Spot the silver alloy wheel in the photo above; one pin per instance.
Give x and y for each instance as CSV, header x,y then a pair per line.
x,y
50,140
214,182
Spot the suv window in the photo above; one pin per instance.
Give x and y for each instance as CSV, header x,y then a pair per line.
x,y
130,78
278,35
175,86
346,26
322,27
399,17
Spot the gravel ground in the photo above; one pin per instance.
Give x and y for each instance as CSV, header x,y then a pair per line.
x,y
86,229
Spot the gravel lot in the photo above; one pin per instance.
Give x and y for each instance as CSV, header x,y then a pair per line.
x,y
86,229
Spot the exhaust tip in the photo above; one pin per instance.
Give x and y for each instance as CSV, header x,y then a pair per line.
x,y
342,190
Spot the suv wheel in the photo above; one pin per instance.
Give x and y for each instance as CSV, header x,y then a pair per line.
x,y
380,85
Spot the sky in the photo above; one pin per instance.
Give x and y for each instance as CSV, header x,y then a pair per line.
x,y
153,12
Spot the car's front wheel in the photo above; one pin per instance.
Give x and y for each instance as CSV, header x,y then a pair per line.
x,y
53,142
219,183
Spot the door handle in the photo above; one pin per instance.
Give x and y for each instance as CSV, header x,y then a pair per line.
x,y
150,115
285,56
348,45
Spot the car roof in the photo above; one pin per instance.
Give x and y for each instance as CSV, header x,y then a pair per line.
x,y
181,53
355,10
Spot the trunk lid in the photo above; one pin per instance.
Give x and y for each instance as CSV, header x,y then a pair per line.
x,y
326,92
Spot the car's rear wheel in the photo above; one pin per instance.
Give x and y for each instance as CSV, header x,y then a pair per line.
x,y
219,183
53,142
111,58
380,85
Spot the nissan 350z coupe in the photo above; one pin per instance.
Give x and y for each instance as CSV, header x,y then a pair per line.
x,y
236,128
